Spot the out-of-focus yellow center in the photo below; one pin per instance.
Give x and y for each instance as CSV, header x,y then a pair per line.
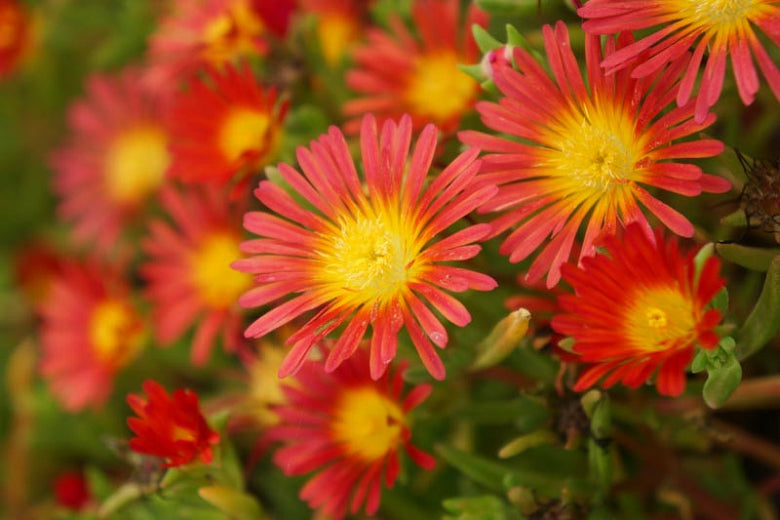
x,y
661,318
596,154
265,388
180,433
335,31
366,259
717,14
116,332
367,424
11,21
218,285
243,131
232,34
437,89
136,162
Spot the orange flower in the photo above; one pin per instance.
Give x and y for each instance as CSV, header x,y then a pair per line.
x,y
397,73
349,428
225,131
638,309
365,256
170,427
189,274
114,160
15,27
90,330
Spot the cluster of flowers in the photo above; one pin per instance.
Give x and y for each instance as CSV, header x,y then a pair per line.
x,y
362,245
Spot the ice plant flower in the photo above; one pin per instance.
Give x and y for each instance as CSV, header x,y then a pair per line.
x,y
190,281
349,428
339,25
171,427
365,257
226,130
722,28
212,32
15,25
71,490
396,73
588,150
114,160
639,309
90,330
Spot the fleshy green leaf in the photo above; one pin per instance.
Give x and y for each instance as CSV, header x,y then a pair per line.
x,y
763,323
721,382
753,258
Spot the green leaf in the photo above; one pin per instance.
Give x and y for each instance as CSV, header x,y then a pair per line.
x,y
753,258
506,7
503,339
525,412
721,382
720,301
486,507
485,41
700,362
484,471
237,504
763,323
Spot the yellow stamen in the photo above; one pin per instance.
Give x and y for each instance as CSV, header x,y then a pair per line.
x,y
335,31
218,285
116,332
136,163
368,424
716,14
245,130
232,34
437,89
660,318
265,388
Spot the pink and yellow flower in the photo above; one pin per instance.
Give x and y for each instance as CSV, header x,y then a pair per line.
x,y
171,427
350,428
115,158
91,329
588,151
639,309
368,256
201,33
190,281
722,28
397,73
226,130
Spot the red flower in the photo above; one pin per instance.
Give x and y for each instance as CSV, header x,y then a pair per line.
x,y
170,427
638,309
365,257
586,151
349,428
71,491
722,29
397,73
226,130
189,274
15,34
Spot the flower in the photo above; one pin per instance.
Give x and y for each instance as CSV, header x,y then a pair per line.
x,y
220,132
114,160
90,330
188,271
721,27
638,309
585,155
397,73
171,427
15,25
71,490
35,266
265,388
365,258
339,25
212,32
350,428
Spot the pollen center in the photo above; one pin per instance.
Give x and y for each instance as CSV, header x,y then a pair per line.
x,y
115,332
231,34
218,285
244,131
367,424
660,319
596,156
717,13
366,257
437,89
135,164
335,32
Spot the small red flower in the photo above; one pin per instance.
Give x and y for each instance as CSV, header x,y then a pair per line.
x,y
170,427
639,309
71,490
349,428
15,25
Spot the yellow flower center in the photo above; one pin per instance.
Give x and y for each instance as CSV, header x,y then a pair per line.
x,y
437,89
136,163
367,257
244,130
717,14
116,332
218,285
231,34
661,318
367,424
596,154
265,388
335,32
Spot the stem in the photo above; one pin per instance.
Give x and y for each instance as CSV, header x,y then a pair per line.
x,y
763,392
744,442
